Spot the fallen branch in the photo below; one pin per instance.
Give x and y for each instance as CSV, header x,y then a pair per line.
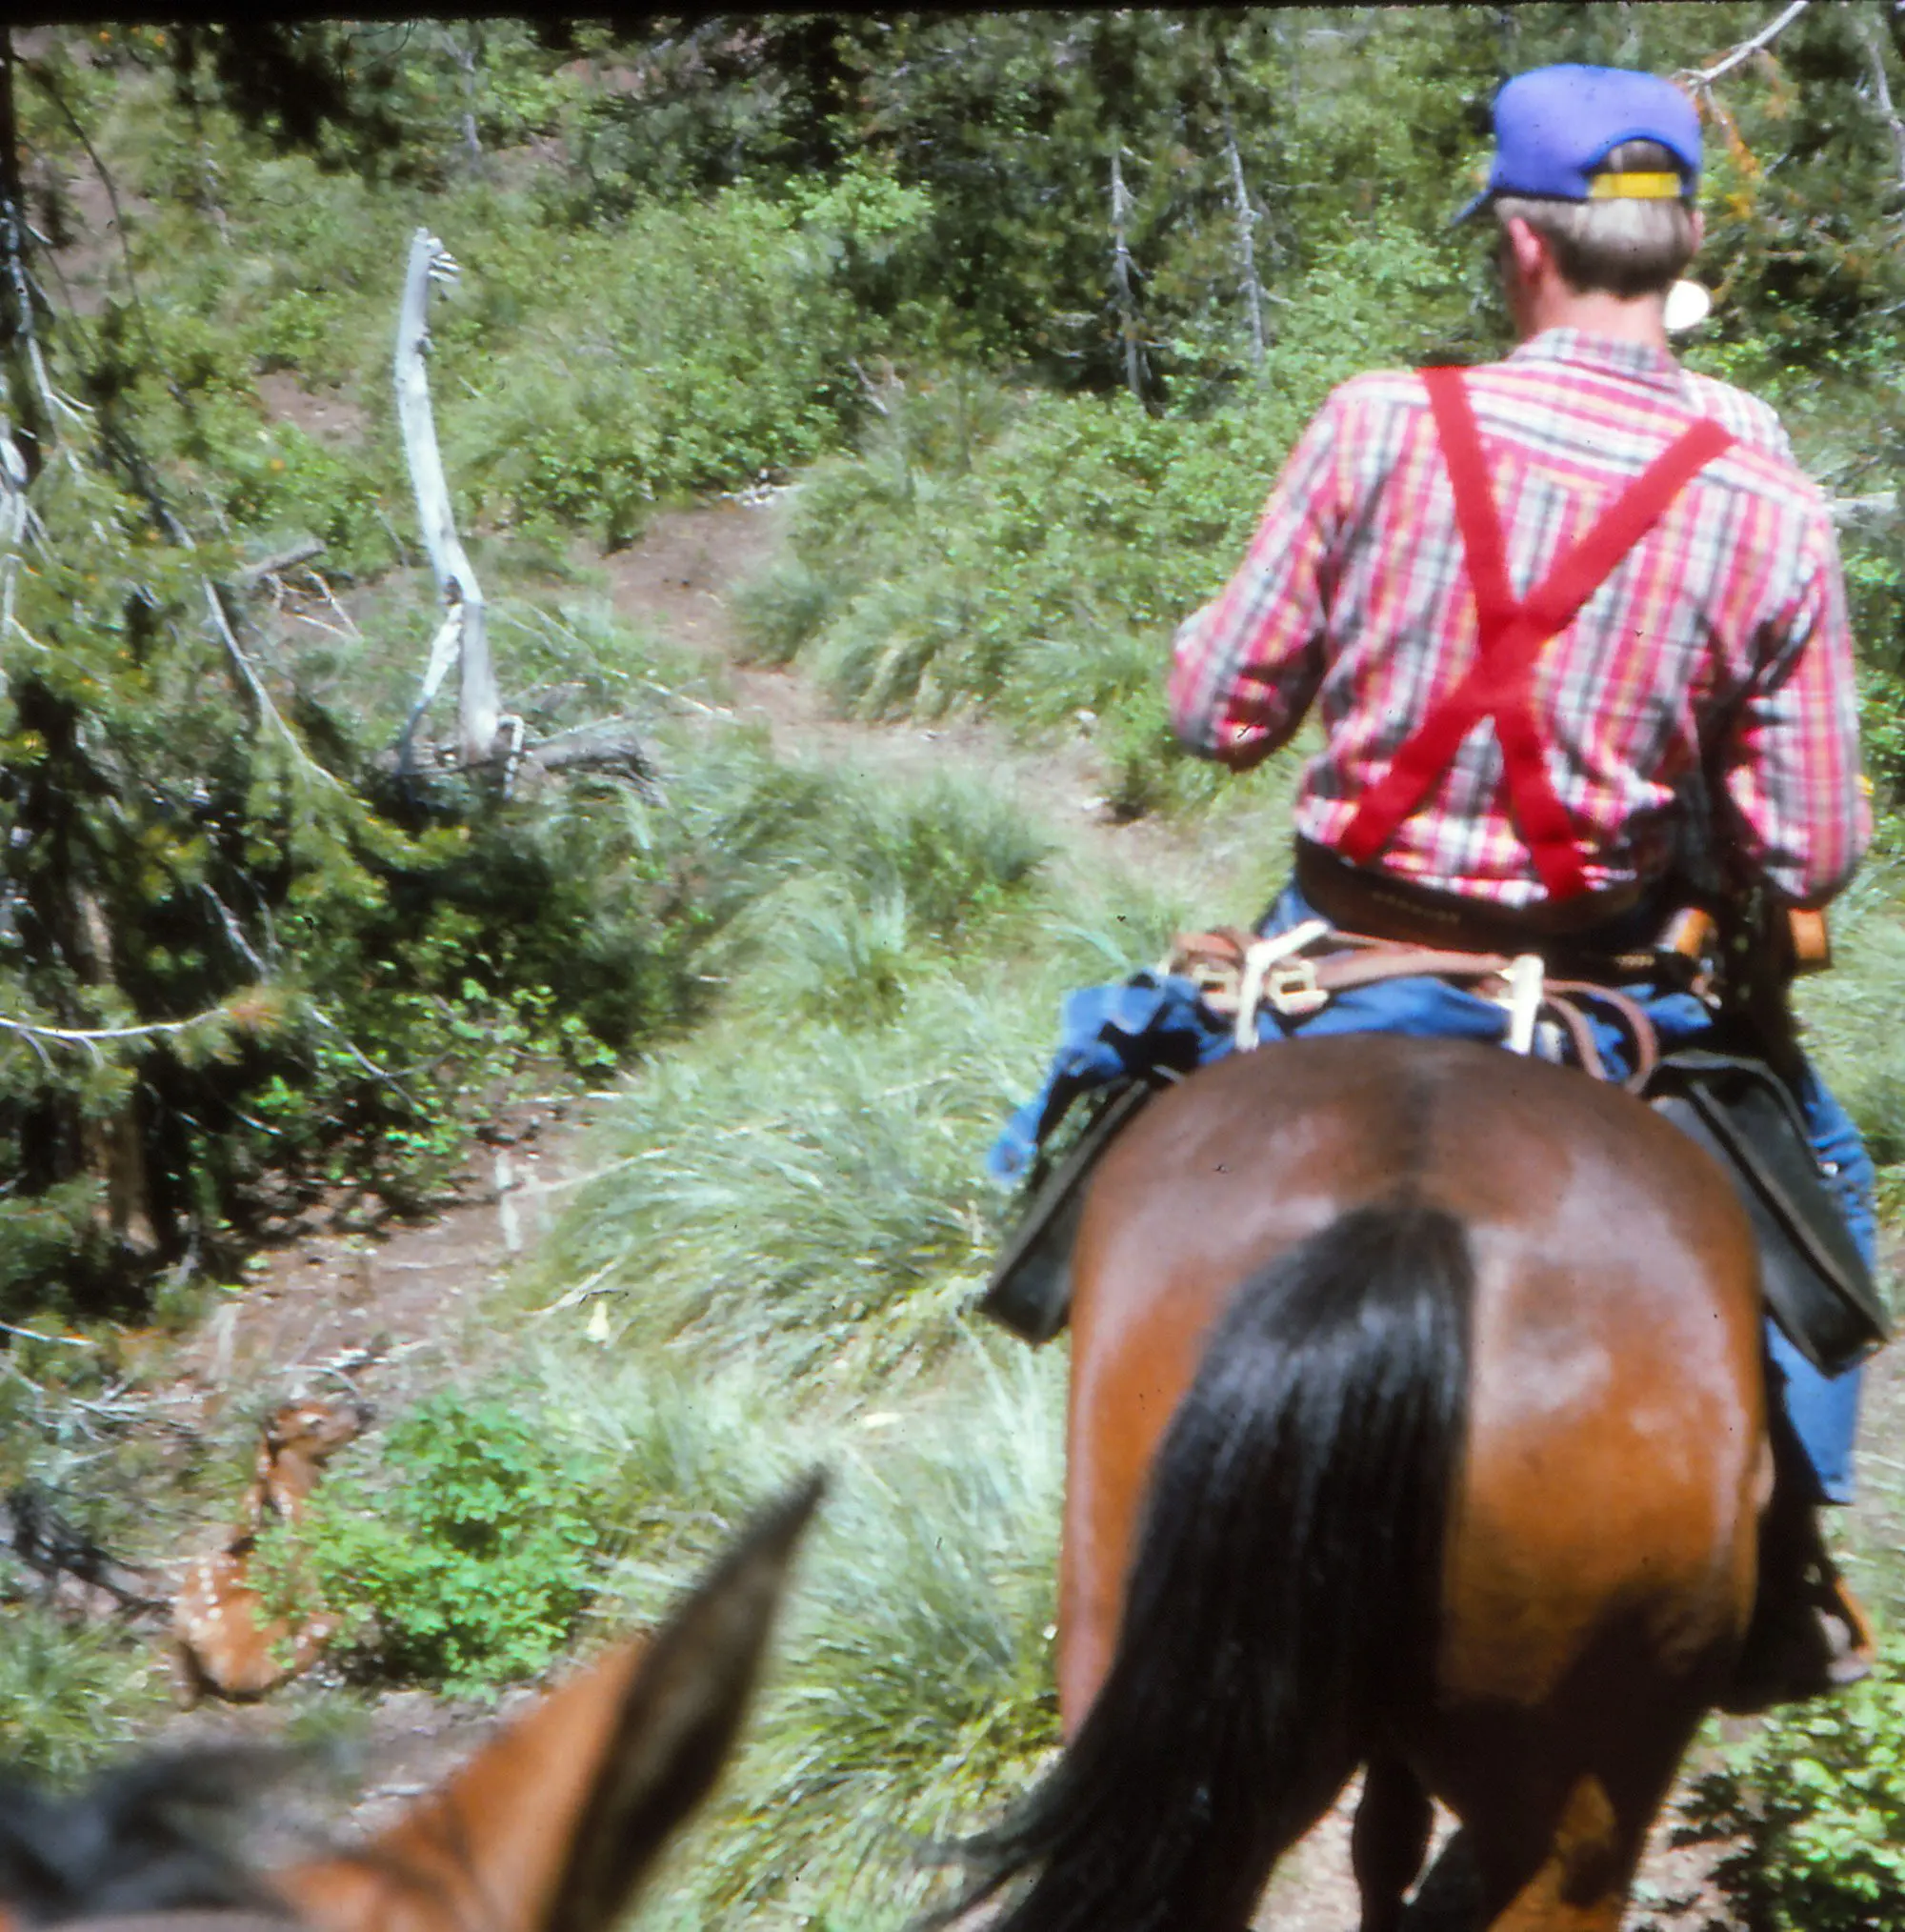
x,y
281,560
1878,508
91,1036
606,745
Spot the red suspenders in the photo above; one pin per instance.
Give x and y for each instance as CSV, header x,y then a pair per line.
x,y
1500,685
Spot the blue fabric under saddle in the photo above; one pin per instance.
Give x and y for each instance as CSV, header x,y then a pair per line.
x,y
1157,1021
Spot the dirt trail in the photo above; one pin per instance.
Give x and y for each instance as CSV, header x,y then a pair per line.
x,y
680,579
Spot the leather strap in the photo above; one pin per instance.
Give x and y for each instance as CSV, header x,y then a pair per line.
x,y
1605,935
1500,685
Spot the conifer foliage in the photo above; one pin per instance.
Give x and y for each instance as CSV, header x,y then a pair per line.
x,y
232,941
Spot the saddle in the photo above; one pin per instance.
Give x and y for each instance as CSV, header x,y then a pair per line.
x,y
1815,1283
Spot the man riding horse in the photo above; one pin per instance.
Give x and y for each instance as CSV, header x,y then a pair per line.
x,y
1574,626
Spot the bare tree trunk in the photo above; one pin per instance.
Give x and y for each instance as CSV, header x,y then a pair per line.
x,y
113,1146
1881,90
1252,288
1138,376
465,59
465,632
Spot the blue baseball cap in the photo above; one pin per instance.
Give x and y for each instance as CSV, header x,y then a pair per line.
x,y
1554,125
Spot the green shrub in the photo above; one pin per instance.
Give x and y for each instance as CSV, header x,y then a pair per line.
x,y
780,610
469,1563
820,1203
1811,1809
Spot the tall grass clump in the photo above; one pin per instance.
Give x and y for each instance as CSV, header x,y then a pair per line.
x,y
805,1192
72,1696
910,1688
686,1455
917,1697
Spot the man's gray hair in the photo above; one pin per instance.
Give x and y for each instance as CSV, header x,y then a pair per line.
x,y
1617,247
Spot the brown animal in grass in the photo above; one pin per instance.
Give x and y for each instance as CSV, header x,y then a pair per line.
x,y
223,1640
549,1828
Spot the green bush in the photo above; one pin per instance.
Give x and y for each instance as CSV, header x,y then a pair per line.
x,y
469,1562
1811,1809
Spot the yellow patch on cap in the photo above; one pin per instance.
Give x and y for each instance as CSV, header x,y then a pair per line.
x,y
1634,188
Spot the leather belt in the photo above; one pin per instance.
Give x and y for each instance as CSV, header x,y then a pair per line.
x,y
1600,927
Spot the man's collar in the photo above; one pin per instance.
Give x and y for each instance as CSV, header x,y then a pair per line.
x,y
1635,361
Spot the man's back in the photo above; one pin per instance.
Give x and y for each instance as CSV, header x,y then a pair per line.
x,y
1719,644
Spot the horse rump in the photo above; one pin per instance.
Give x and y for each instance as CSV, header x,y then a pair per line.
x,y
1286,1583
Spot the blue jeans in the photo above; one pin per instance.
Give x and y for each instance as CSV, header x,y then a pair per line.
x,y
1823,1410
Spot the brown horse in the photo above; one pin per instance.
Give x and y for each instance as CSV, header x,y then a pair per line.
x,y
549,1828
1440,1369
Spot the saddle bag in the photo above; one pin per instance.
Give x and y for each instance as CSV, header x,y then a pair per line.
x,y
1817,1285
1030,1287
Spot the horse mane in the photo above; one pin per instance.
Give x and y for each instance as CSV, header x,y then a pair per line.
x,y
155,1834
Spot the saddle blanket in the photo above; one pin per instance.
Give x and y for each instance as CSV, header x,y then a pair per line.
x,y
1120,1043
1155,1024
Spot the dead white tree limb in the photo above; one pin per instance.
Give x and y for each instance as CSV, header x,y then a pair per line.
x,y
1252,288
479,709
1881,90
255,574
1123,281
1880,507
1706,76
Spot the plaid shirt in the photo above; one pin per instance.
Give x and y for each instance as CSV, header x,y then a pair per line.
x,y
1709,679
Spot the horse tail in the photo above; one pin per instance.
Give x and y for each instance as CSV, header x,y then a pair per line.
x,y
1285,1586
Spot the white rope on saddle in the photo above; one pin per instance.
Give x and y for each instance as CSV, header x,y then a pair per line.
x,y
1524,998
1258,959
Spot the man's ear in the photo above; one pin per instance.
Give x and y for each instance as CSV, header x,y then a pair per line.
x,y
1699,231
1528,248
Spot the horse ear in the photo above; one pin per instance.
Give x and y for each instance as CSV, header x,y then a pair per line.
x,y
550,1828
678,1720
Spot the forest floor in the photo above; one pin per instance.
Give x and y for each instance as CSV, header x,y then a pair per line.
x,y
402,1310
